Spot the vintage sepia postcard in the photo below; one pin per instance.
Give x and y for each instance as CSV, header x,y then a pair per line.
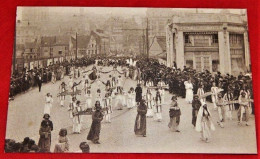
x,y
131,80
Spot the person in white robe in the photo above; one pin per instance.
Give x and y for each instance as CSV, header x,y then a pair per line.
x,y
88,104
71,107
85,86
131,98
221,104
53,77
201,92
158,107
189,91
230,107
214,91
48,104
62,88
108,107
162,92
204,123
99,96
149,101
77,118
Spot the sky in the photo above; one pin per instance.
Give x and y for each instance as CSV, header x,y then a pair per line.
x,y
120,10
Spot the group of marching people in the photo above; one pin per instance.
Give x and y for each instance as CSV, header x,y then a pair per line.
x,y
227,93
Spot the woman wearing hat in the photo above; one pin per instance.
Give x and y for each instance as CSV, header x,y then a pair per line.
x,y
95,129
45,137
174,114
140,121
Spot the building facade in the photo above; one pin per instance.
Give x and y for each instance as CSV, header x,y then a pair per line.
x,y
209,41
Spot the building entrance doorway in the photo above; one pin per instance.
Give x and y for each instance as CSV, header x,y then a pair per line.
x,y
202,63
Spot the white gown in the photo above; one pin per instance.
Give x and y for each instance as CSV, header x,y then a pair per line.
x,y
48,105
189,92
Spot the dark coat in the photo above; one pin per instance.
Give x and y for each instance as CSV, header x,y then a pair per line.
x,y
94,131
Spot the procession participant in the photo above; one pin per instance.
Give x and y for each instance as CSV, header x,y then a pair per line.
x,y
140,121
204,123
70,83
71,106
48,104
77,118
39,81
221,110
149,100
108,107
113,83
108,85
200,92
95,129
45,137
88,104
243,111
230,107
196,104
131,98
149,83
46,118
119,83
161,90
174,114
53,77
85,86
62,88
62,144
214,91
189,92
99,96
138,94
158,106
119,99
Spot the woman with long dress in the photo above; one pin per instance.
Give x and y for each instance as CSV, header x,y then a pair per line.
x,y
158,107
88,104
189,92
95,129
149,100
140,121
131,98
48,104
138,93
45,137
204,124
174,114
196,104
214,91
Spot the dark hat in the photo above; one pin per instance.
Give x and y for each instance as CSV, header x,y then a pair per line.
x,y
46,116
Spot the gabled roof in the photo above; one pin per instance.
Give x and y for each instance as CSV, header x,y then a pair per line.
x,y
48,41
62,40
82,41
29,45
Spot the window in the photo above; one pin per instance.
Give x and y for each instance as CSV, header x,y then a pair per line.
x,y
51,49
215,38
31,57
187,40
60,52
92,45
66,48
31,50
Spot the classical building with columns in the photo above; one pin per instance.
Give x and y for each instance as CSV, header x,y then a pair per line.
x,y
209,41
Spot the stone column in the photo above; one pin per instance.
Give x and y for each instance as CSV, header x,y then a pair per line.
x,y
247,51
224,52
168,46
179,49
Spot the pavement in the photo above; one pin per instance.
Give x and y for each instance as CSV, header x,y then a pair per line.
x,y
26,111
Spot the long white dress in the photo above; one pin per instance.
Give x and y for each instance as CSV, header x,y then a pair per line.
x,y
88,103
200,92
48,105
189,92
214,90
131,100
150,103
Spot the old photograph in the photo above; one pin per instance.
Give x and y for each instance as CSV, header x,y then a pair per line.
x,y
131,80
